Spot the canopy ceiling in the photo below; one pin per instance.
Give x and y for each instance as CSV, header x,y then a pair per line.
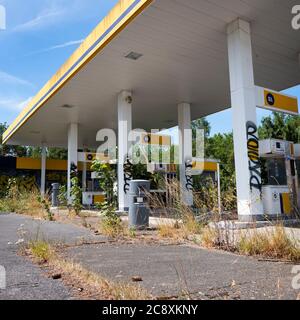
x,y
183,44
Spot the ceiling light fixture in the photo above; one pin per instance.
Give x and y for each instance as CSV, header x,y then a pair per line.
x,y
133,56
67,106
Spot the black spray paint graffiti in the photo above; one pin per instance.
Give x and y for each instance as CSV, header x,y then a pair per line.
x,y
188,175
73,170
253,155
127,174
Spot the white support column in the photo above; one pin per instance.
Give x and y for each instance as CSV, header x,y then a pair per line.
x,y
185,152
43,170
246,143
124,127
219,189
84,169
72,154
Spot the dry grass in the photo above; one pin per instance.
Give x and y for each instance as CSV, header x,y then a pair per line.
x,y
179,230
93,284
25,202
113,229
273,243
209,237
186,224
41,251
171,231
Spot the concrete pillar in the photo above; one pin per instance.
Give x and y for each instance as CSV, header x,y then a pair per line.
x,y
246,143
124,127
43,170
185,152
72,154
84,169
219,189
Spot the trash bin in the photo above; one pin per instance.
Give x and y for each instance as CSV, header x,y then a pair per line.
x,y
139,210
55,193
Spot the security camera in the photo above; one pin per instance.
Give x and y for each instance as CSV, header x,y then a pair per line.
x,y
128,99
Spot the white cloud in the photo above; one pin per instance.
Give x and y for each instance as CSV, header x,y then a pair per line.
x,y
13,104
66,44
42,19
11,79
22,104
59,46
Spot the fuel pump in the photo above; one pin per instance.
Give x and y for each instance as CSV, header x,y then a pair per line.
x,y
279,190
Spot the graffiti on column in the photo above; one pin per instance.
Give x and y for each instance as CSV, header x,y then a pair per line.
x,y
253,156
74,173
128,166
188,175
74,170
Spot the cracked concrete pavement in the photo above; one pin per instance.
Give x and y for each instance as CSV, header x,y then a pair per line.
x,y
26,281
166,270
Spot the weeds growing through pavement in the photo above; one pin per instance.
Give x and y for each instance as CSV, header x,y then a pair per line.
x,y
89,281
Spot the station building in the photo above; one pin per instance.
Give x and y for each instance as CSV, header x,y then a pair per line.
x,y
158,64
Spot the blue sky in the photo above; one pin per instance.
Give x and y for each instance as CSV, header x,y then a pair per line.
x,y
40,36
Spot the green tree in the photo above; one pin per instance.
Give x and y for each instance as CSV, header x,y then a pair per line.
x,y
220,147
57,153
52,153
34,152
198,125
201,123
6,150
280,126
107,176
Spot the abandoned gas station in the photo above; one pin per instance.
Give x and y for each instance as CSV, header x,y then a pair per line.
x,y
158,64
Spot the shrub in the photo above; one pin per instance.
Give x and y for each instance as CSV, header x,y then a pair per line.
x,y
76,195
40,250
107,177
45,203
111,223
62,195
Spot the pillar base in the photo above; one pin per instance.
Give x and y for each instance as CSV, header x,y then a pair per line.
x,y
260,218
252,218
122,211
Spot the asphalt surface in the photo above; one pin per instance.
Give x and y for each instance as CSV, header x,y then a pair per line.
x,y
25,281
166,270
170,270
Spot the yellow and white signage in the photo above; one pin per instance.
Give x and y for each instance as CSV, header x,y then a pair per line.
x,y
275,101
90,157
155,139
207,165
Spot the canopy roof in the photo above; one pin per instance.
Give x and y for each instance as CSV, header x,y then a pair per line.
x,y
183,44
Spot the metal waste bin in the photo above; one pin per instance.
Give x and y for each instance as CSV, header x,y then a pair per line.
x,y
55,193
139,210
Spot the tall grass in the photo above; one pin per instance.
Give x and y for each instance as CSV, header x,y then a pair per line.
x,y
41,250
189,220
271,243
110,223
25,202
205,206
